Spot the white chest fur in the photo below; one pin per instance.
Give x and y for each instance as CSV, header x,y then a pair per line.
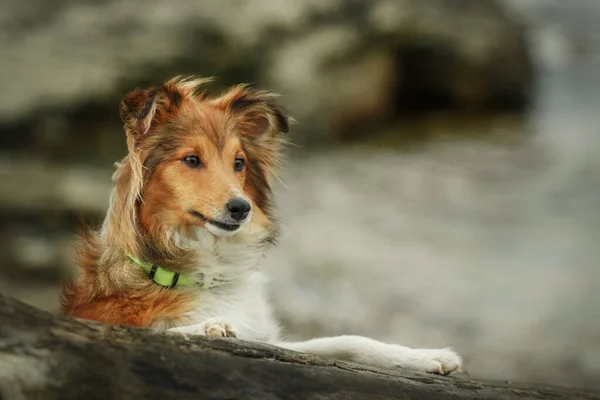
x,y
243,303
242,300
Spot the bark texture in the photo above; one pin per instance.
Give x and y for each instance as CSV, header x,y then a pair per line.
x,y
43,356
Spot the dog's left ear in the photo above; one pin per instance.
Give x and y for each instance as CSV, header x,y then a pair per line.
x,y
256,112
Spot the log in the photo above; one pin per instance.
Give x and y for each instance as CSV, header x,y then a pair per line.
x,y
45,356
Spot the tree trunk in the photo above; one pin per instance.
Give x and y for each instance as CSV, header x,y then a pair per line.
x,y
43,356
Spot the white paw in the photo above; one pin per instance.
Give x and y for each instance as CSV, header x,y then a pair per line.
x,y
437,361
213,327
218,327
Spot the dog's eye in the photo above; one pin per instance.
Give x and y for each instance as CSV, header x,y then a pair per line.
x,y
192,161
239,163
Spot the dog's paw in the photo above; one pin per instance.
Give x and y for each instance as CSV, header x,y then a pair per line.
x,y
218,327
212,327
437,361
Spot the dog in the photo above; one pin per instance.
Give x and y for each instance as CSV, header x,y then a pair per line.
x,y
191,216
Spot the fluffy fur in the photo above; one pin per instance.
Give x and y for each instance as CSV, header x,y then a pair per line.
x,y
169,211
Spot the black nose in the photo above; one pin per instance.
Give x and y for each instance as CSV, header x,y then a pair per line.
x,y
238,209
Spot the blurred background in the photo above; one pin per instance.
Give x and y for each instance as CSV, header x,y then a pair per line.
x,y
445,182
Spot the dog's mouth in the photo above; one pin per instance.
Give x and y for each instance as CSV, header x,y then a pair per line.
x,y
229,227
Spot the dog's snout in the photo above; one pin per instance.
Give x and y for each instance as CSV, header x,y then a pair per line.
x,y
238,209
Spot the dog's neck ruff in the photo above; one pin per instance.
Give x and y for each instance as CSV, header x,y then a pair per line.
x,y
170,279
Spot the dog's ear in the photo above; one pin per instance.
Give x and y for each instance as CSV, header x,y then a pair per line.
x,y
142,109
256,112
137,110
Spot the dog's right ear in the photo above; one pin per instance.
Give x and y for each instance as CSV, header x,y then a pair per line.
x,y
143,109
138,108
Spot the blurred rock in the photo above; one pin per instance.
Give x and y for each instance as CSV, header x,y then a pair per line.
x,y
340,65
41,206
53,187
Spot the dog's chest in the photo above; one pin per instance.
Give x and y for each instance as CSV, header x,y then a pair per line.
x,y
243,303
240,291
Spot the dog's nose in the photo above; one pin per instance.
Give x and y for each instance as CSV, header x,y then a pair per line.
x,y
238,209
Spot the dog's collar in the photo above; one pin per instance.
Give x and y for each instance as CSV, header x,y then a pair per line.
x,y
171,279
161,276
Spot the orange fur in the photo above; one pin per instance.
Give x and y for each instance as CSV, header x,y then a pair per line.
x,y
157,197
140,308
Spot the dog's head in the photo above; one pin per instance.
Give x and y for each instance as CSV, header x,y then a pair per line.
x,y
203,162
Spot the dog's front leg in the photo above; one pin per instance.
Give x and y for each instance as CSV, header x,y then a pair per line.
x,y
382,355
214,327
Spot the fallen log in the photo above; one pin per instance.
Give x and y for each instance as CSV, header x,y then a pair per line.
x,y
44,356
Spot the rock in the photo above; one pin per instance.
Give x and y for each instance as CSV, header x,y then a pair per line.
x,y
341,65
43,356
40,219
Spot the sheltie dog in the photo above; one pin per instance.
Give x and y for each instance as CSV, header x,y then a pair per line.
x,y
190,217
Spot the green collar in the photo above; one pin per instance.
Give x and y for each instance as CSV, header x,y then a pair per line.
x,y
163,277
